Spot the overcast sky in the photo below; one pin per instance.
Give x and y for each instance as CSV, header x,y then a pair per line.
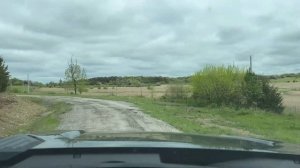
x,y
152,37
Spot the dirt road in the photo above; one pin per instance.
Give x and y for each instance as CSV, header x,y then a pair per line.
x,y
107,116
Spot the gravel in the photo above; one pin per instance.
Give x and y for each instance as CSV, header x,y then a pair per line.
x,y
96,115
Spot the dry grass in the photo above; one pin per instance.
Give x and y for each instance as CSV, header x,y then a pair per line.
x,y
153,92
50,90
17,114
291,95
287,86
156,92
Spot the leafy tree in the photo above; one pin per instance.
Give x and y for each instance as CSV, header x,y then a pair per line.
x,y
74,74
4,75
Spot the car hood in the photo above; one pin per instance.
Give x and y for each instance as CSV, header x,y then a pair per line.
x,y
81,139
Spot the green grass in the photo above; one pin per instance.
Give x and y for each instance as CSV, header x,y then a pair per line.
x,y
50,119
225,121
211,120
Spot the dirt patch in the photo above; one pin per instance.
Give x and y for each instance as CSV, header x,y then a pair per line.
x,y
16,112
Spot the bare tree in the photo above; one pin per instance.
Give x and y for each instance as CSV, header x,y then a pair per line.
x,y
75,75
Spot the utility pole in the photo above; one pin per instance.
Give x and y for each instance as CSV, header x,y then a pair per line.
x,y
250,68
28,87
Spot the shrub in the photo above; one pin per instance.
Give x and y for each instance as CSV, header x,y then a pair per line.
x,y
176,93
272,99
219,85
252,89
149,87
16,90
259,93
234,87
82,88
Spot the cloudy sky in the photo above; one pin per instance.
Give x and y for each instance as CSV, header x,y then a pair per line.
x,y
147,37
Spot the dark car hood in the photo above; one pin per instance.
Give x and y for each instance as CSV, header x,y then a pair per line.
x,y
77,139
81,139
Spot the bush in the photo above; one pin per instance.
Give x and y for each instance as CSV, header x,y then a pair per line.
x,y
82,88
252,90
149,87
259,93
272,99
176,93
232,86
16,90
219,85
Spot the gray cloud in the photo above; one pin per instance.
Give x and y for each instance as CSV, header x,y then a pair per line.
x,y
145,37
289,37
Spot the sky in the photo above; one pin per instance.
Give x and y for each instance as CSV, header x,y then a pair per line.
x,y
148,37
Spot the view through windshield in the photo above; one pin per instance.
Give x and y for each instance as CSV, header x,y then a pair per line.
x,y
218,68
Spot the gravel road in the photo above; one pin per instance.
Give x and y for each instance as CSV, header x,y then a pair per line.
x,y
107,116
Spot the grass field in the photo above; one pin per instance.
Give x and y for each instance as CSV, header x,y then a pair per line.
x,y
290,93
151,92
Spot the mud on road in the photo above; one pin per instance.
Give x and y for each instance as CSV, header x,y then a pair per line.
x,y
107,116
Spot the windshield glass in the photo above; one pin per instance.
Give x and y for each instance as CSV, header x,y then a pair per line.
x,y
216,68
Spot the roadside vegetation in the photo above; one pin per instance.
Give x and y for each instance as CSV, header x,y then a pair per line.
x,y
250,122
4,75
49,120
234,87
28,115
216,100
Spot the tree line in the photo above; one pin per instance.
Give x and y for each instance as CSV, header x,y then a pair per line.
x,y
136,81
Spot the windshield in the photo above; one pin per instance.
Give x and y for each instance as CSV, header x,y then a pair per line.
x,y
215,68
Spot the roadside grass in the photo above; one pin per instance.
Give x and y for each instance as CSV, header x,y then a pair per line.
x,y
48,120
220,121
206,120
